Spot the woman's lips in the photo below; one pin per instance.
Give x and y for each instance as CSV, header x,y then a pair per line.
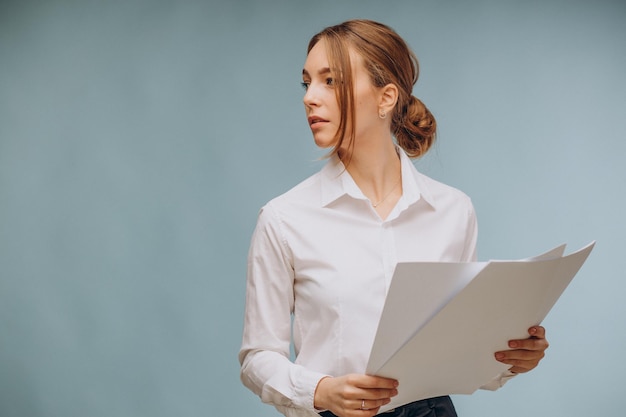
x,y
316,122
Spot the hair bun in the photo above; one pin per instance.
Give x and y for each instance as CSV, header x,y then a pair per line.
x,y
416,128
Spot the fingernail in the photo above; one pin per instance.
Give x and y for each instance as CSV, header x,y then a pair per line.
x,y
533,330
513,344
499,356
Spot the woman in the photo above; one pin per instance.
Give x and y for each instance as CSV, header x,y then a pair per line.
x,y
324,252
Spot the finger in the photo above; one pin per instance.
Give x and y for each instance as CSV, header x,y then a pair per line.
x,y
536,341
519,355
518,369
529,344
520,360
372,404
380,394
358,387
521,366
537,331
377,394
370,381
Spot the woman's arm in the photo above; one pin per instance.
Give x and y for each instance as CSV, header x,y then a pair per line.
x,y
264,356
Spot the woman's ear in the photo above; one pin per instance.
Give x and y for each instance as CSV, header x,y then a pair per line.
x,y
388,98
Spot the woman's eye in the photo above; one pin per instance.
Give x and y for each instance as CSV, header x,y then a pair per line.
x,y
305,85
330,81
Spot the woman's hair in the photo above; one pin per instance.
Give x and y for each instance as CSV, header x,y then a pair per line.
x,y
388,59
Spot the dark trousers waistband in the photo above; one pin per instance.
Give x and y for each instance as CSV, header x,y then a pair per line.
x,y
430,407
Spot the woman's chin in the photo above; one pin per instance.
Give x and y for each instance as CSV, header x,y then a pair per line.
x,y
323,143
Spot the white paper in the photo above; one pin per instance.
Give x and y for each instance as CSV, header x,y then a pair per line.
x,y
443,322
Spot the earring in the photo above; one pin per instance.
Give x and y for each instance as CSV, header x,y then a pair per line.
x,y
382,114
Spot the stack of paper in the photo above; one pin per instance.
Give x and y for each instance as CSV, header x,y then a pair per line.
x,y
443,322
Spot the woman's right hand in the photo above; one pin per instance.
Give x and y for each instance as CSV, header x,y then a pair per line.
x,y
354,395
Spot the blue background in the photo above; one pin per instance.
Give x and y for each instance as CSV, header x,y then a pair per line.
x,y
138,140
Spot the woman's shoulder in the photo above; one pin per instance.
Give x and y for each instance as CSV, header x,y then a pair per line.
x,y
441,192
305,192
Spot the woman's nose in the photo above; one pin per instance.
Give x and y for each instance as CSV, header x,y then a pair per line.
x,y
311,98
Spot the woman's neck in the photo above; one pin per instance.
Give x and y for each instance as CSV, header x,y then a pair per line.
x,y
372,162
376,169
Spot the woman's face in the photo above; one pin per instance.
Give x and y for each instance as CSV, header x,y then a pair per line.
x,y
320,101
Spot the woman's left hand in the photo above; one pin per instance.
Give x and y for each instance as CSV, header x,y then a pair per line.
x,y
525,354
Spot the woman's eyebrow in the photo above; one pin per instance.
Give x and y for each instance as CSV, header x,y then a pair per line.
x,y
322,71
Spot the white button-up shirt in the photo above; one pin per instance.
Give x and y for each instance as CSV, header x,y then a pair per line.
x,y
321,254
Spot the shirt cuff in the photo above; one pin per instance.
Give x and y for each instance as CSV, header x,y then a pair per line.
x,y
499,381
305,394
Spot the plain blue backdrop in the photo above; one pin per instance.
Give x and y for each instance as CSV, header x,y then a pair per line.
x,y
138,140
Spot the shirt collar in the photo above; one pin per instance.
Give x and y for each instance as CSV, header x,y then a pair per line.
x,y
337,182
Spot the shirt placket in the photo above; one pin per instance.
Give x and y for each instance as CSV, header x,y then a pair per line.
x,y
389,252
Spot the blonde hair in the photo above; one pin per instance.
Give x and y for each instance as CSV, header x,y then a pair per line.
x,y
388,59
